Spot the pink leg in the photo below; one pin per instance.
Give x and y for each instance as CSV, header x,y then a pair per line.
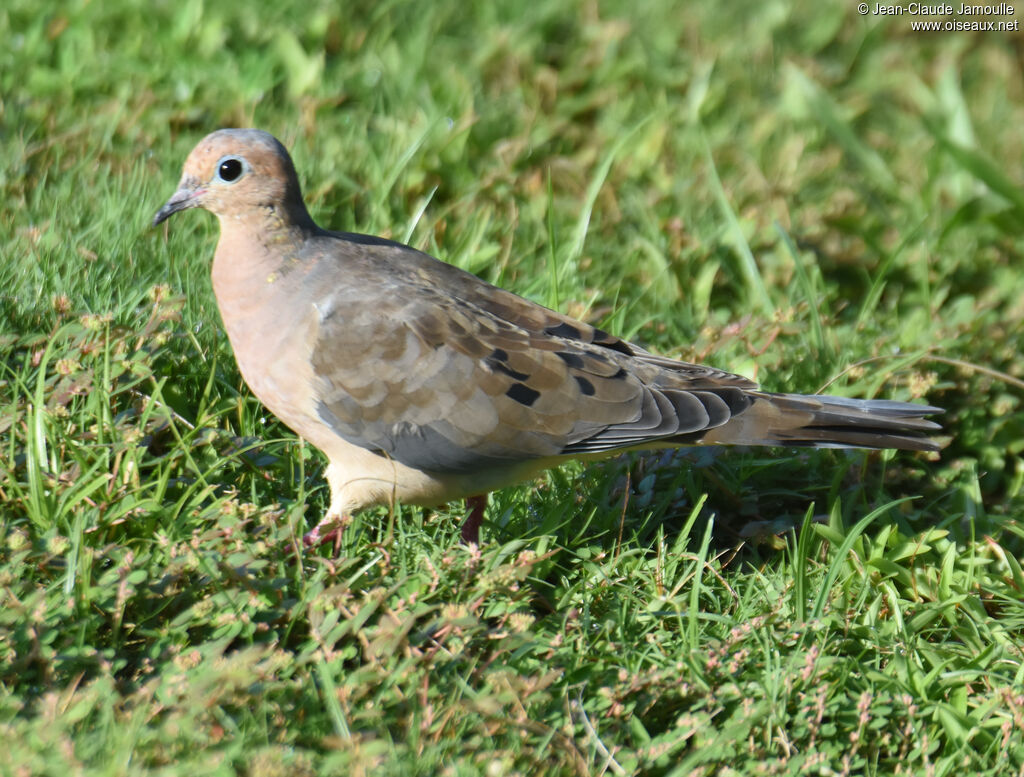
x,y
328,530
471,528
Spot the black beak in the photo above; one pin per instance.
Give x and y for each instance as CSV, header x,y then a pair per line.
x,y
180,200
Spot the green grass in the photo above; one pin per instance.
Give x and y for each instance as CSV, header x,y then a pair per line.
x,y
788,190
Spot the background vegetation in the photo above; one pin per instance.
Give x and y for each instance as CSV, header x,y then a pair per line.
x,y
815,198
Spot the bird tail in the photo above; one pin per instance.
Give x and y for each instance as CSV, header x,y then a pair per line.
x,y
828,422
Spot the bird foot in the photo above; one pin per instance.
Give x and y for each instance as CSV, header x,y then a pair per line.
x,y
328,530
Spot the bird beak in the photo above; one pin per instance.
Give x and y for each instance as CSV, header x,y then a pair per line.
x,y
187,196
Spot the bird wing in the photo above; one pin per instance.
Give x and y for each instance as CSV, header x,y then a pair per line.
x,y
443,372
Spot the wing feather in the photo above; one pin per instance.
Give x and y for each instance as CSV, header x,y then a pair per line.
x,y
443,372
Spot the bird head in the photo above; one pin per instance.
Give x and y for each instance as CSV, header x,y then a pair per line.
x,y
235,171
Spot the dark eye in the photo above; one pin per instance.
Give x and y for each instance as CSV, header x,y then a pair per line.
x,y
230,169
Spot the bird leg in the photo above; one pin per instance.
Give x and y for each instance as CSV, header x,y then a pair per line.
x,y
331,527
471,527
328,530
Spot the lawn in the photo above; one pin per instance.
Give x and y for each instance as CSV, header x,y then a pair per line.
x,y
817,199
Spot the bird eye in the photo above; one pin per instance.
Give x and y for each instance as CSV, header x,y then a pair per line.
x,y
230,169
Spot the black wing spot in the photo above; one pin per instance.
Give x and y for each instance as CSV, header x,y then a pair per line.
x,y
500,354
611,342
524,395
505,369
564,330
571,359
585,385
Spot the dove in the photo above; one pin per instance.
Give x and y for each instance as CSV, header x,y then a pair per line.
x,y
423,384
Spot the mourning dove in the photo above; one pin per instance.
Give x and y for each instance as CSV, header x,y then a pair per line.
x,y
422,383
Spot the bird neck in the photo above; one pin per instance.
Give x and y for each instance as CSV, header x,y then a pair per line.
x,y
258,253
291,211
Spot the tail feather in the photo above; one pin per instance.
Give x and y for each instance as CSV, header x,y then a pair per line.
x,y
829,422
